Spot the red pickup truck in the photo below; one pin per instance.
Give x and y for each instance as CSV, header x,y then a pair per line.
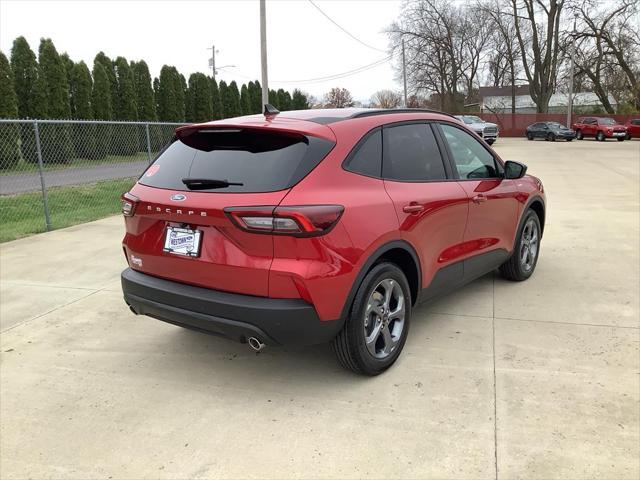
x,y
633,128
599,127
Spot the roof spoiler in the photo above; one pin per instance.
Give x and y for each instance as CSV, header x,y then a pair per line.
x,y
270,110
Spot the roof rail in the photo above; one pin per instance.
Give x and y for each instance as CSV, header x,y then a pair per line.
x,y
384,111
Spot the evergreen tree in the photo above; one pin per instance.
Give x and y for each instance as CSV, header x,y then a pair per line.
x,y
83,134
255,92
182,96
9,132
80,85
299,100
68,68
55,138
232,104
145,102
102,109
125,102
30,94
216,102
222,86
156,94
109,69
284,100
245,101
170,95
199,98
126,138
274,99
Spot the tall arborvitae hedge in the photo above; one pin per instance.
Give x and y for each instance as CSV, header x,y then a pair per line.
x,y
199,99
9,133
83,135
30,93
102,108
57,88
55,138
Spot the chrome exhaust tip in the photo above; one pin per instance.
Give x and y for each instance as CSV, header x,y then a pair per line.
x,y
255,344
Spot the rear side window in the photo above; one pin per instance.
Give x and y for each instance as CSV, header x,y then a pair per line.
x,y
635,122
411,154
367,157
261,161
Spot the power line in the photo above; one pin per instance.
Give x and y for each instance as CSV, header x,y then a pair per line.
x,y
343,29
337,76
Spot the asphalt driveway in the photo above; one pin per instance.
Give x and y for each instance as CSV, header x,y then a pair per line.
x,y
500,380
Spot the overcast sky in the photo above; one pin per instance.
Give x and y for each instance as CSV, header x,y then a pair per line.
x,y
302,43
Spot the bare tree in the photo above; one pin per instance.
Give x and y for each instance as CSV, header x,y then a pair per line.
x,y
338,98
386,99
503,64
537,28
609,45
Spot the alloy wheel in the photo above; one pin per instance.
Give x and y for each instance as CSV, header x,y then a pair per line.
x,y
384,318
529,245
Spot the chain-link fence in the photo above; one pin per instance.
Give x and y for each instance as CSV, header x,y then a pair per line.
x,y
56,173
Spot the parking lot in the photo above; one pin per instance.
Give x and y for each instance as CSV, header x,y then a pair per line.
x,y
539,379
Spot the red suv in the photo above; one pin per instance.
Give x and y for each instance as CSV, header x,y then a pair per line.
x,y
633,128
313,226
600,128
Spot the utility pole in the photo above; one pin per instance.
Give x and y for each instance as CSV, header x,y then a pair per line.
x,y
212,61
573,53
404,74
263,52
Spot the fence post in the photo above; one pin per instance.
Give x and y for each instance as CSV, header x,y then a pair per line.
x,y
148,142
45,200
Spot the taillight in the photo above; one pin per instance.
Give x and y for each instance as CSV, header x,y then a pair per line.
x,y
298,221
129,203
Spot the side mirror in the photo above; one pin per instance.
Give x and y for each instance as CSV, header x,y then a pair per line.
x,y
514,170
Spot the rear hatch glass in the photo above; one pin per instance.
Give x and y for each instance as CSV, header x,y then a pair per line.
x,y
257,160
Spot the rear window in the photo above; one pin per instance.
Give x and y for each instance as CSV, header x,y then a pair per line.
x,y
262,161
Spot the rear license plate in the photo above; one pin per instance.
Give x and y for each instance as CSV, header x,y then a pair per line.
x,y
182,241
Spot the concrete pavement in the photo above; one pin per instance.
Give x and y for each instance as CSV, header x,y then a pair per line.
x,y
510,380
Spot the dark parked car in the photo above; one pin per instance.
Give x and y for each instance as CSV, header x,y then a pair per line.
x,y
550,131
314,226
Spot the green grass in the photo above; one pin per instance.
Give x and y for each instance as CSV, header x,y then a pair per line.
x,y
23,214
26,167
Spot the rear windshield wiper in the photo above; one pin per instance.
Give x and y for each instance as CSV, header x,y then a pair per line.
x,y
207,183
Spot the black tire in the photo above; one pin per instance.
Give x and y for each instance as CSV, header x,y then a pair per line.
x,y
529,136
628,137
513,269
551,137
621,139
350,345
490,142
569,139
600,136
579,135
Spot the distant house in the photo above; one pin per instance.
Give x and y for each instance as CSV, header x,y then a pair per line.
x,y
498,100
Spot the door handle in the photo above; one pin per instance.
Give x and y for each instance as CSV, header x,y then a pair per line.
x,y
480,198
413,207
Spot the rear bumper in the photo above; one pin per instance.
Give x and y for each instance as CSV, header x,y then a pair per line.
x,y
273,321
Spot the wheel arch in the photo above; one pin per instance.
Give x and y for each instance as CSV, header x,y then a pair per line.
x,y
399,252
537,205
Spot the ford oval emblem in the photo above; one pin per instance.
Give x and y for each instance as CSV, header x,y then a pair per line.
x,y
178,197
